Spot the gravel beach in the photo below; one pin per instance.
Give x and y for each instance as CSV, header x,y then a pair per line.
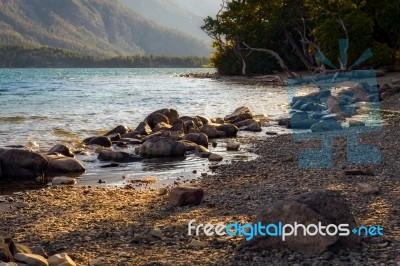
x,y
126,226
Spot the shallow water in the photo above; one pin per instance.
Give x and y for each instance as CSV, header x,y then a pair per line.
x,y
43,107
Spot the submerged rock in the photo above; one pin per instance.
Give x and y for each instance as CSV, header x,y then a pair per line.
x,y
101,141
117,156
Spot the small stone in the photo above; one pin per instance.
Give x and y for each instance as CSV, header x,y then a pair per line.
x,y
183,196
61,180
328,255
162,191
194,171
198,244
97,262
61,260
232,146
31,259
157,233
355,123
368,189
215,157
214,144
204,174
271,133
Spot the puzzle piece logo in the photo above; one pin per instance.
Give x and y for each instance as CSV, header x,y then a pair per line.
x,y
326,112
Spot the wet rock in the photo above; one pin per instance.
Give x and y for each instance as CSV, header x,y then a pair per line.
x,y
31,259
201,148
162,126
116,138
190,146
179,125
61,149
245,123
21,164
271,133
162,147
62,164
62,180
285,122
229,129
240,114
232,146
184,196
221,134
215,157
61,260
118,130
142,129
177,135
118,156
210,131
319,206
205,120
101,141
153,119
254,128
191,127
355,123
196,120
204,154
326,125
198,138
301,120
171,114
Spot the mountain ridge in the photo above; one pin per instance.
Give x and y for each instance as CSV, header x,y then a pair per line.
x,y
95,27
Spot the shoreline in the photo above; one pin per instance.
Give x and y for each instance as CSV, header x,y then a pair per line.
x,y
127,227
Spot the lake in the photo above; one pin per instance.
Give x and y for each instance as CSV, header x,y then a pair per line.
x,y
43,107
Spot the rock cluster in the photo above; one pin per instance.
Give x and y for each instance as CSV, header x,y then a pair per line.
x,y
14,254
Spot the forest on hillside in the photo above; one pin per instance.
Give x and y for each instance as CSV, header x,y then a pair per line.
x,y
16,56
257,36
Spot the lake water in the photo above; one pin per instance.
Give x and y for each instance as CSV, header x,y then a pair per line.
x,y
43,107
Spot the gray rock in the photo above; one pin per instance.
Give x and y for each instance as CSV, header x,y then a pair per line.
x,y
21,164
210,131
118,130
198,138
254,128
62,164
31,259
215,157
326,125
183,196
158,147
327,207
240,114
229,129
61,149
101,141
61,260
232,146
118,156
245,123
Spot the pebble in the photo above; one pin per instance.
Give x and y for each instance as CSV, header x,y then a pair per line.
x,y
198,244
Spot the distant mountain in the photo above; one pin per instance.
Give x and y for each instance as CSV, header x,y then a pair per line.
x,y
202,8
97,27
170,14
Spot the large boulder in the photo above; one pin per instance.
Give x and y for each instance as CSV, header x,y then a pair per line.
x,y
118,156
61,149
63,164
240,114
210,131
205,120
153,119
198,138
320,206
301,120
179,125
190,127
142,129
118,130
196,120
162,126
229,129
16,163
159,147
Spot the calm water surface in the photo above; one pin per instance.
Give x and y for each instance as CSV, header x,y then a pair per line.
x,y
43,107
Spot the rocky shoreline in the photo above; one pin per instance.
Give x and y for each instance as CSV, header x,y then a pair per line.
x,y
123,226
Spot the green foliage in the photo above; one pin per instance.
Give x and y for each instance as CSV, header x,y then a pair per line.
x,y
40,56
297,29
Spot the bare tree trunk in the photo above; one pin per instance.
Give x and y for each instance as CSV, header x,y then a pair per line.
x,y
297,50
277,57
